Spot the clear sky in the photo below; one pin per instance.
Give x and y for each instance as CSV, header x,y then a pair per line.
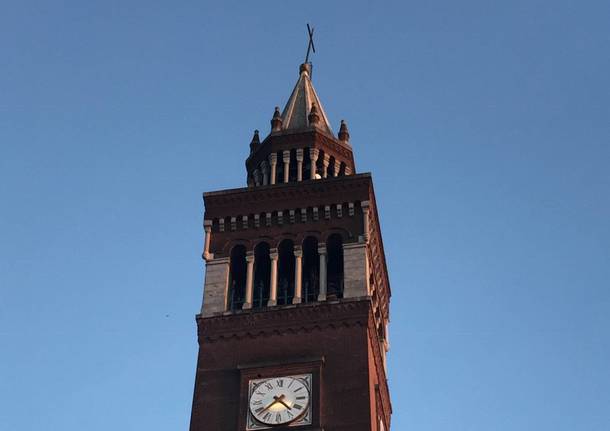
x,y
486,126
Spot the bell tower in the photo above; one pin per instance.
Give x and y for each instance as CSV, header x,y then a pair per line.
x,y
293,328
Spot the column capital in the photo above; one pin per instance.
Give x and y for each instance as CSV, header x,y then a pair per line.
x,y
250,256
299,155
286,156
273,254
326,159
322,248
365,205
273,158
298,251
314,153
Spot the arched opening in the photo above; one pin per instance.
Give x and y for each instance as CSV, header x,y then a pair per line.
x,y
311,270
320,165
293,166
306,164
262,275
285,273
334,277
331,166
279,174
237,278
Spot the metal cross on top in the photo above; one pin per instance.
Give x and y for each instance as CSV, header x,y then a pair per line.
x,y
310,46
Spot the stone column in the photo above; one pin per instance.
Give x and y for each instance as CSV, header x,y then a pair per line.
x,y
325,163
313,157
365,214
336,168
257,177
286,159
207,227
273,254
298,270
300,164
273,163
249,280
322,253
265,170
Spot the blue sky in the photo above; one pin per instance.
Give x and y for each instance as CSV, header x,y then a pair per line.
x,y
485,124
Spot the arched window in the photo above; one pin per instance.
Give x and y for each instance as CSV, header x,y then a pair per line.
x,y
237,278
334,248
311,270
285,276
262,275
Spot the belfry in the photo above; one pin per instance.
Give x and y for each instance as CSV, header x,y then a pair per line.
x,y
293,328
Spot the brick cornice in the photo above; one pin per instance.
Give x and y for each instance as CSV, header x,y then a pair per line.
x,y
285,320
224,203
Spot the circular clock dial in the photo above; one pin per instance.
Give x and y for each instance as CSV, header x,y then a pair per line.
x,y
279,400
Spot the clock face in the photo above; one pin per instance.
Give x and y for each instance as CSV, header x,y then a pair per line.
x,y
280,400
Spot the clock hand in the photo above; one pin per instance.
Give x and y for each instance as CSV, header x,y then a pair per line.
x,y
270,405
281,401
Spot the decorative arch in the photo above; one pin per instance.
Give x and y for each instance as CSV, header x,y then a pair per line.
x,y
343,233
237,278
229,246
284,237
302,236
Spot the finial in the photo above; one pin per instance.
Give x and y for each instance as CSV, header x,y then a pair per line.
x,y
276,121
343,132
305,67
313,116
254,144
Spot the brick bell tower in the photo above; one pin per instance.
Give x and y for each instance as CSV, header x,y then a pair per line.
x,y
293,328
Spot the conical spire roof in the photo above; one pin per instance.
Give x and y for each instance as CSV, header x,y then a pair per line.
x,y
296,112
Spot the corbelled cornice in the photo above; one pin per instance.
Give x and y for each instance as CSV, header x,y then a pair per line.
x,y
265,198
283,320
